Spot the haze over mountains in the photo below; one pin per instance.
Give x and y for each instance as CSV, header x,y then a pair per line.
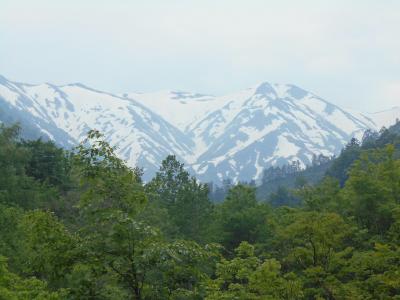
x,y
233,136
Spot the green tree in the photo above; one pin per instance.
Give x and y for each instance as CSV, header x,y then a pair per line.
x,y
13,287
373,189
241,218
16,187
118,246
9,239
341,166
46,249
324,197
376,271
314,245
47,163
283,197
106,182
247,277
185,199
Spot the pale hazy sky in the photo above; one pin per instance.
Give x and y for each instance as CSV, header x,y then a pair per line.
x,y
347,52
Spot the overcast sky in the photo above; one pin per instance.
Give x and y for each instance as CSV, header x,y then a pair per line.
x,y
347,52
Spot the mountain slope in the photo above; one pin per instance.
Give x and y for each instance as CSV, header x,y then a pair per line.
x,y
238,135
66,113
271,124
387,117
235,136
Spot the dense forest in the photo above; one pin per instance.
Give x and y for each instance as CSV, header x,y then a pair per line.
x,y
83,225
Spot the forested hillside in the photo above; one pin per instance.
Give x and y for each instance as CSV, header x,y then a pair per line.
x,y
83,225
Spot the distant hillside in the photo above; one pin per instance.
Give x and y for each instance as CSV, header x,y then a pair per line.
x,y
311,175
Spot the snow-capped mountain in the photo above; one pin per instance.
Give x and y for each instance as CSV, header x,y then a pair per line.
x,y
66,113
234,136
238,135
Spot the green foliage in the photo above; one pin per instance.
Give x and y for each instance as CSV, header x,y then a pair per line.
x,y
248,277
47,163
16,187
377,271
46,249
9,217
311,175
313,238
85,226
241,218
184,198
13,287
118,245
343,163
106,182
373,189
325,196
284,197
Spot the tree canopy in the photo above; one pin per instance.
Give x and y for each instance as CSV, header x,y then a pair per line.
x,y
82,224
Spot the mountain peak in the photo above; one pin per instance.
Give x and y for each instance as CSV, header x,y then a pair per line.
x,y
280,90
264,88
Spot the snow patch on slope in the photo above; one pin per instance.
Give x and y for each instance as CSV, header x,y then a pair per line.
x,y
235,135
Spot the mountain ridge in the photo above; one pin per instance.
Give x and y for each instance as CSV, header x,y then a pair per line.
x,y
231,136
